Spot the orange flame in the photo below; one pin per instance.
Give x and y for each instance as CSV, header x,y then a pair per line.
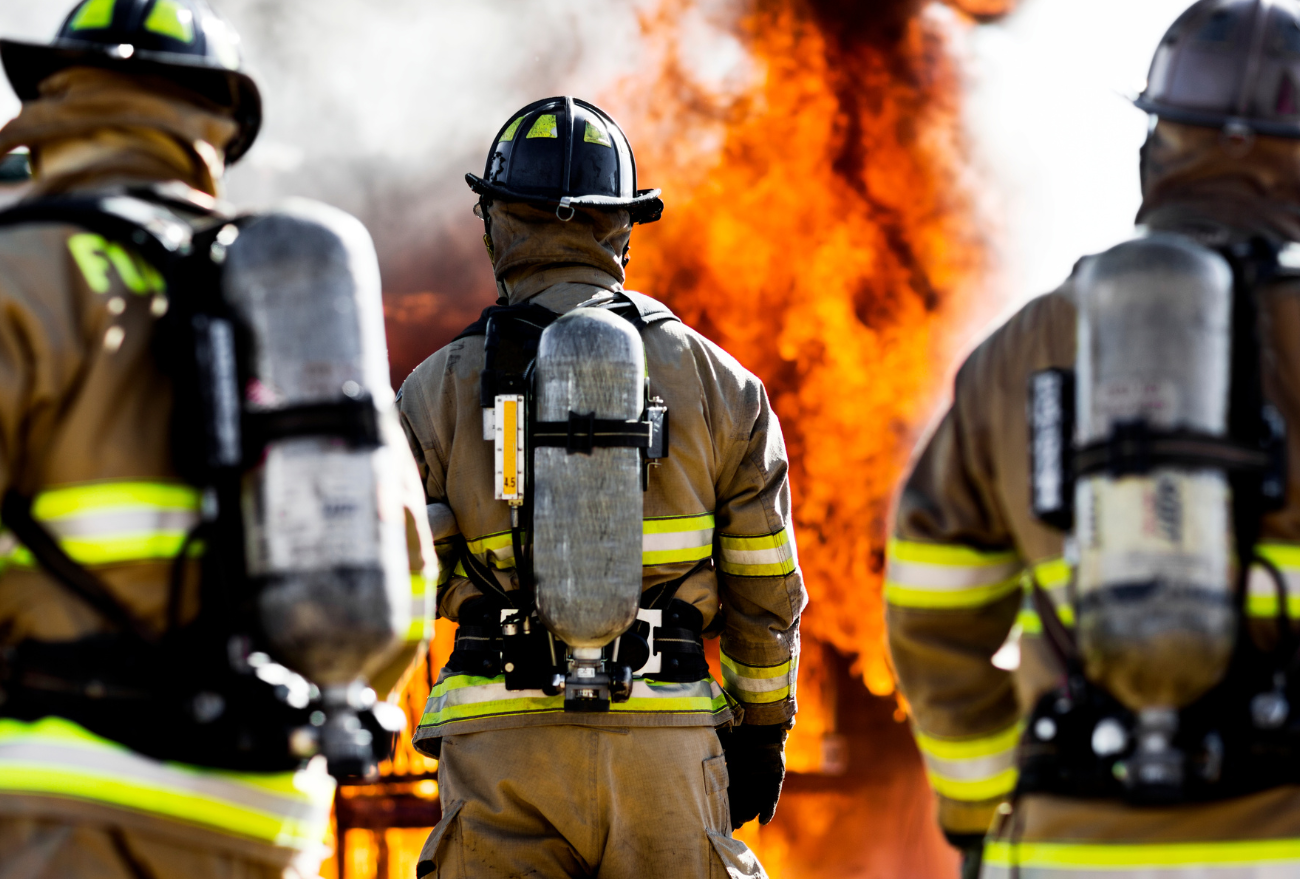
x,y
830,245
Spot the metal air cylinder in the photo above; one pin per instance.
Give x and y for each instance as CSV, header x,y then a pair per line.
x,y
324,525
587,507
1156,567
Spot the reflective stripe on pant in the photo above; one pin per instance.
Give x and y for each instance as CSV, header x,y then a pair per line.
x,y
558,801
111,522
1238,859
54,757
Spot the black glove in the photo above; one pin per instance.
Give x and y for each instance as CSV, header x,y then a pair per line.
x,y
971,846
756,767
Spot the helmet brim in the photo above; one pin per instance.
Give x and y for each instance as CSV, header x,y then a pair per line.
x,y
1210,119
645,207
27,65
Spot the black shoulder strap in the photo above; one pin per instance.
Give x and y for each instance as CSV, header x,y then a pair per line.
x,y
526,314
157,232
647,309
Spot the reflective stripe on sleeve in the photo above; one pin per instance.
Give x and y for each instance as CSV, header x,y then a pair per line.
x,y
114,522
1256,858
57,758
769,555
758,684
973,769
945,576
1054,576
1261,590
497,548
671,539
467,697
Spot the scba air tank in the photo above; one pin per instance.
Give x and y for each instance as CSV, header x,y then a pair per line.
x,y
1156,558
588,505
324,525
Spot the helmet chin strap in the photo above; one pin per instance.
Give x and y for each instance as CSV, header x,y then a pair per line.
x,y
481,211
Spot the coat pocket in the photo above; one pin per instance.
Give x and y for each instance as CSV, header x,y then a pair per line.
x,y
735,858
434,844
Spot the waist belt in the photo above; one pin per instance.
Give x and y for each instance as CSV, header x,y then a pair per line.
x,y
661,645
169,701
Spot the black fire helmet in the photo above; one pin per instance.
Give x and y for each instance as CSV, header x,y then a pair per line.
x,y
565,153
183,41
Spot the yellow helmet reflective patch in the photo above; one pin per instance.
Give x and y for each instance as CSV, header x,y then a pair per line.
x,y
596,135
544,127
509,133
93,15
171,19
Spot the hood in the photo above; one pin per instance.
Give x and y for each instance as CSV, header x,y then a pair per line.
x,y
1197,180
92,125
532,249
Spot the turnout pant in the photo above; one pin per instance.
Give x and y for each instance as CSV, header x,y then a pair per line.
x,y
560,801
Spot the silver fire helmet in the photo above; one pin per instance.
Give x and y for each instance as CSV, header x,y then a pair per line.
x,y
1231,64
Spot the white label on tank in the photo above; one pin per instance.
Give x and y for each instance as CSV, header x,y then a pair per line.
x,y
319,508
508,433
1125,400
1169,525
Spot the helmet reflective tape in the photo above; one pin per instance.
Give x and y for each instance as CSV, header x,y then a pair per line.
x,y
509,133
113,522
171,19
93,15
544,126
57,758
594,134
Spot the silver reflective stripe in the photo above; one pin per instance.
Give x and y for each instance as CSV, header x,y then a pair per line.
x,y
671,540
1289,870
920,575
113,522
976,769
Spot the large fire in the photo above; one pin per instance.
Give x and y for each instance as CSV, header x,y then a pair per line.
x,y
820,227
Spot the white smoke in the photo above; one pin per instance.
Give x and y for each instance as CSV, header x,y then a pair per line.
x,y
381,107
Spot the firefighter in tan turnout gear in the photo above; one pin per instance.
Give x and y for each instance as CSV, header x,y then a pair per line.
x,y
1096,558
183,621
606,487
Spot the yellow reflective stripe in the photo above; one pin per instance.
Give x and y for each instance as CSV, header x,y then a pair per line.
x,y
469,697
109,551
57,758
768,555
1053,573
1261,591
666,540
758,684
421,626
93,15
171,19
972,769
941,576
498,548
947,576
509,133
55,503
1113,856
544,126
114,522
